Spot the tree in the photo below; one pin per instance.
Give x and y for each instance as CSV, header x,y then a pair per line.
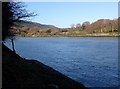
x,y
78,25
118,24
72,25
111,27
85,25
115,25
11,13
49,31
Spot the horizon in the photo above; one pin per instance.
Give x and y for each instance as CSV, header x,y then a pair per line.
x,y
65,27
63,14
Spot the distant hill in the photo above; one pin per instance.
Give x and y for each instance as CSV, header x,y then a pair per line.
x,y
29,28
101,27
34,24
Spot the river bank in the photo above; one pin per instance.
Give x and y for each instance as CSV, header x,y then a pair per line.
x,y
72,35
19,73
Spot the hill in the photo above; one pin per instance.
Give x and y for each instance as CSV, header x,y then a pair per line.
x,y
28,28
31,24
101,27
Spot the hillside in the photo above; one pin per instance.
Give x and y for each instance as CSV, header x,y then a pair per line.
x,y
19,73
30,24
101,27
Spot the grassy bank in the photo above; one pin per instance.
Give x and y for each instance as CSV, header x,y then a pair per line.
x,y
114,34
19,73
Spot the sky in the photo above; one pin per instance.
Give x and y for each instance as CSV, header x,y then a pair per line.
x,y
63,14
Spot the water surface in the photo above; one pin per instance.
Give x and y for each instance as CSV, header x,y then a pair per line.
x,y
92,61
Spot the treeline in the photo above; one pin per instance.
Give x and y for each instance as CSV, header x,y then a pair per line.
x,y
101,26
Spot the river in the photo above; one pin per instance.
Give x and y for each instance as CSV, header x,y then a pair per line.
x,y
93,61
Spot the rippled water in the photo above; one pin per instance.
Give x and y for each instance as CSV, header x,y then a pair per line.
x,y
92,61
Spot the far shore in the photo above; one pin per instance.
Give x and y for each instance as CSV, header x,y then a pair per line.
x,y
65,35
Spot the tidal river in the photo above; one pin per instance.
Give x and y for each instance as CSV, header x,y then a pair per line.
x,y
92,61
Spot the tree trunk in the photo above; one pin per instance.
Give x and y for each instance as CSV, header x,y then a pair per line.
x,y
13,47
112,29
101,29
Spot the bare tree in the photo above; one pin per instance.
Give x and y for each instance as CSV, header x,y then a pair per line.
x,y
85,25
72,25
11,13
78,25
